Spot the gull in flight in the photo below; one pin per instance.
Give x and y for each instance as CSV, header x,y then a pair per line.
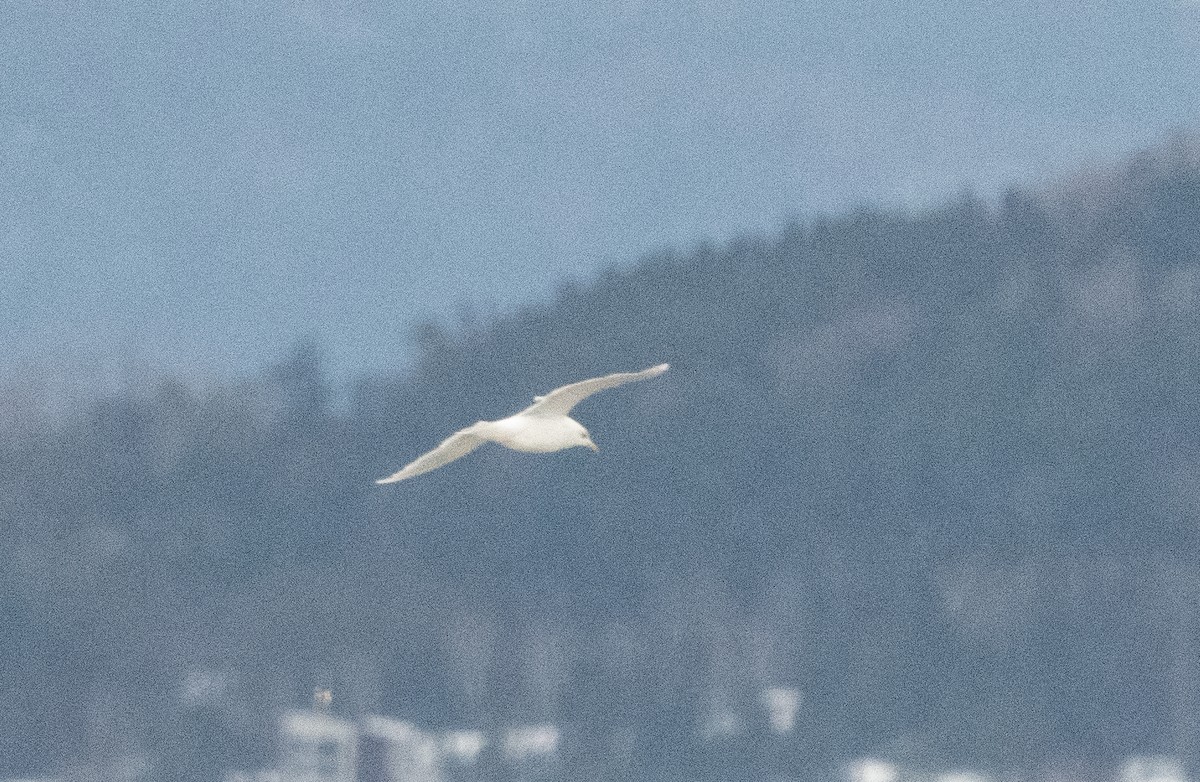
x,y
543,427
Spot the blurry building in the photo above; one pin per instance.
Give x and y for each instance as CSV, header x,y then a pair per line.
x,y
465,756
317,747
751,736
530,753
531,743
871,770
782,704
396,751
270,775
1153,768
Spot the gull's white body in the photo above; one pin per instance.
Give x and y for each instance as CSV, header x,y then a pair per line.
x,y
543,427
537,433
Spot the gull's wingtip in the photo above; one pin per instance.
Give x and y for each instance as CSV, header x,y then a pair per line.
x,y
658,370
389,479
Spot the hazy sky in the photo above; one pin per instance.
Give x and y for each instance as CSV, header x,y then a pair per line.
x,y
195,185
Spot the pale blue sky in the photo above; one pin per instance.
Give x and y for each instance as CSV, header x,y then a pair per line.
x,y
196,188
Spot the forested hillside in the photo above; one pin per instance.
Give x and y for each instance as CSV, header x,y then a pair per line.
x,y
938,471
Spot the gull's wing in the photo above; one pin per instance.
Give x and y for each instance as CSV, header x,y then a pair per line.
x,y
453,447
561,400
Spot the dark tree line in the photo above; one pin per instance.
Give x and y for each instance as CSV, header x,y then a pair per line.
x,y
940,472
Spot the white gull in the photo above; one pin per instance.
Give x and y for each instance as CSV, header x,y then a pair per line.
x,y
543,427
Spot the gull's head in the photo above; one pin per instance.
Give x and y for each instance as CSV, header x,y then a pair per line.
x,y
585,440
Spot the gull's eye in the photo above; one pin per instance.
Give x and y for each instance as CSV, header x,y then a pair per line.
x,y
583,435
